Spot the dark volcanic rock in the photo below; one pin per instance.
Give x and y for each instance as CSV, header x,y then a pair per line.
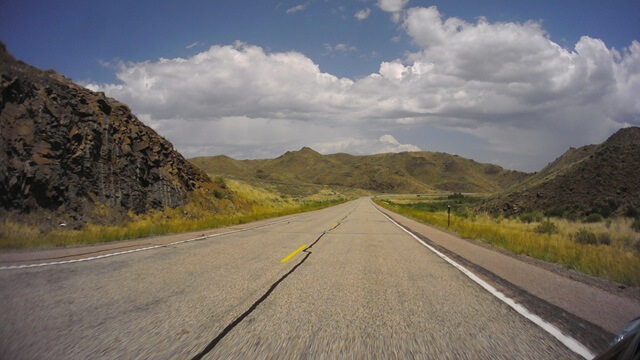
x,y
65,148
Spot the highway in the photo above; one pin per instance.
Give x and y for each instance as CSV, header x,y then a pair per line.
x,y
343,282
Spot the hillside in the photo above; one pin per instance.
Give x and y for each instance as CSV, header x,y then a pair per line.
x,y
602,179
407,172
66,150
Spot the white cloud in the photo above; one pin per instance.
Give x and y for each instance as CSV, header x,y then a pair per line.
x,y
295,9
392,6
339,48
362,14
363,146
395,7
344,47
392,145
506,83
512,85
193,44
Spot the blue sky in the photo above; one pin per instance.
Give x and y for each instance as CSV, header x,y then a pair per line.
x,y
111,46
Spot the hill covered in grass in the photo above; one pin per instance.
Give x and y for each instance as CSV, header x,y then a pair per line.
x,y
602,179
407,172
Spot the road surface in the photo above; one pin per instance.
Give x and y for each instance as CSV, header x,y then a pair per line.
x,y
354,285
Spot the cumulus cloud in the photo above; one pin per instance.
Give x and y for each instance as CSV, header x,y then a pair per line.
x,y
364,146
392,145
362,14
295,9
395,7
392,6
509,83
505,83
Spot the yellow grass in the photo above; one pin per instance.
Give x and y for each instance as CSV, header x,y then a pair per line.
x,y
619,261
243,203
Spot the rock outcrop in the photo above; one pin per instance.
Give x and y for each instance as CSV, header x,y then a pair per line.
x,y
65,148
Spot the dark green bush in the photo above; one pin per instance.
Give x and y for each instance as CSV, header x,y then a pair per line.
x,y
530,217
218,194
455,195
554,212
593,218
604,239
585,236
602,209
572,216
631,212
546,227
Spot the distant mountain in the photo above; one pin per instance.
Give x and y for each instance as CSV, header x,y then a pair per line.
x,y
602,178
407,172
66,149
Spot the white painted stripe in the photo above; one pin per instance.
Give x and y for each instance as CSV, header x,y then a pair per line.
x,y
10,267
568,341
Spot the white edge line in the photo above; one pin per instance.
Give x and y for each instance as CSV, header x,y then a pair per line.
x,y
568,341
11,267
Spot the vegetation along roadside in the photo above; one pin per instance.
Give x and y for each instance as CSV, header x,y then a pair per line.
x,y
608,248
223,203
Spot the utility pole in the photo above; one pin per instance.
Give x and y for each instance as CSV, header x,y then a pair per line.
x,y
448,215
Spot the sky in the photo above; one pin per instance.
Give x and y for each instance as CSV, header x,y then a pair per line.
x,y
513,83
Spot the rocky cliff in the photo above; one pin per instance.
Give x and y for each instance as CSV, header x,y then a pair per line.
x,y
66,149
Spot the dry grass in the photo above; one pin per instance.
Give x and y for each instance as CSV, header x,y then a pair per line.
x,y
207,208
619,261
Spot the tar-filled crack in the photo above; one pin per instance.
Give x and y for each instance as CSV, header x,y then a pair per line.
x,y
239,319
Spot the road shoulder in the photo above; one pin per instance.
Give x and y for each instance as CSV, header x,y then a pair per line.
x,y
591,312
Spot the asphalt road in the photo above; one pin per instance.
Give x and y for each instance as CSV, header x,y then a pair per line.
x,y
360,288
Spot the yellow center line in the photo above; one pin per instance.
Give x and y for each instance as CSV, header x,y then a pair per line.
x,y
293,254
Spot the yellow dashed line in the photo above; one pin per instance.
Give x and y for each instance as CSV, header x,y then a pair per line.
x,y
293,254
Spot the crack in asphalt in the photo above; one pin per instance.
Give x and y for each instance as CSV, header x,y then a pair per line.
x,y
240,318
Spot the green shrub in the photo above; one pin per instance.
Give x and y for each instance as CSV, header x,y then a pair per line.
x,y
604,239
554,212
585,236
572,216
455,195
631,212
218,194
462,212
546,227
593,218
220,181
530,217
636,225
